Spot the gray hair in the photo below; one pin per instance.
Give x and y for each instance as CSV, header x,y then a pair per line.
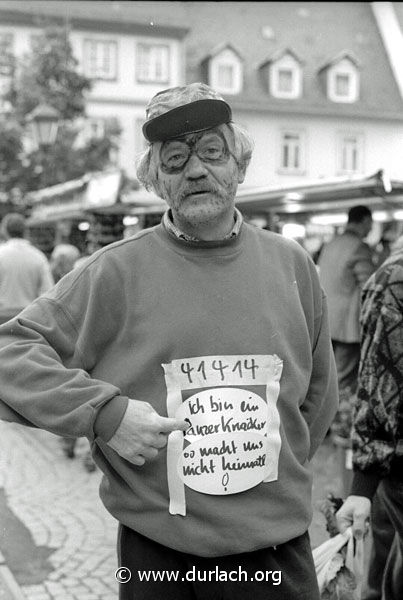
x,y
147,166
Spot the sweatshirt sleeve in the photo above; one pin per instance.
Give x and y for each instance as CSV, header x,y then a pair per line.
x,y
45,368
322,398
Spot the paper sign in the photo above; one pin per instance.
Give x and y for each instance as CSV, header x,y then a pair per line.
x,y
233,442
227,453
223,410
223,464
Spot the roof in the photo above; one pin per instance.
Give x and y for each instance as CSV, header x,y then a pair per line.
x,y
316,31
341,56
220,48
147,18
279,54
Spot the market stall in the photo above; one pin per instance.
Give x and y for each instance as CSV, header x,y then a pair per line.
x,y
106,209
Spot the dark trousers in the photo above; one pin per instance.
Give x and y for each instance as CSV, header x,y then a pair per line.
x,y
391,494
383,533
347,357
284,573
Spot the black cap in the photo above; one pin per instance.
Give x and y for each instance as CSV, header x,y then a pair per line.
x,y
187,118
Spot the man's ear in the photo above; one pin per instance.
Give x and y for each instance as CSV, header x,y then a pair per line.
x,y
241,172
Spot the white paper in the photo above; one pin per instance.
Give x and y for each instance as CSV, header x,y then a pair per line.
x,y
233,442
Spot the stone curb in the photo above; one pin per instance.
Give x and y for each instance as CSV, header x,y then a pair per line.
x,y
9,588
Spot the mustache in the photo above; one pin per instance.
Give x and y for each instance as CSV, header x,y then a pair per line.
x,y
194,188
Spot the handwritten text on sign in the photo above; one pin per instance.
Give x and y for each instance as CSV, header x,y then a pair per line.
x,y
234,440
223,370
223,410
227,453
223,464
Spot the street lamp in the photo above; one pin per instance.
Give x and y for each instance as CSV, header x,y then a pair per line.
x,y
44,120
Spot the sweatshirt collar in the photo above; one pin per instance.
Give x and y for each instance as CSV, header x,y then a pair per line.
x,y
172,228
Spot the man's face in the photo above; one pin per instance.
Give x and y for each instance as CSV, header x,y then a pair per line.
x,y
198,176
367,226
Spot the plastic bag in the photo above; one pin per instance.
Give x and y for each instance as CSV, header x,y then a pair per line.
x,y
339,564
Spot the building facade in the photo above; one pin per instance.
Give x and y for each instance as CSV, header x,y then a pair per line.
x,y
127,58
317,84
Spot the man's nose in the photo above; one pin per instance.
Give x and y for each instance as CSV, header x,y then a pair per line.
x,y
195,168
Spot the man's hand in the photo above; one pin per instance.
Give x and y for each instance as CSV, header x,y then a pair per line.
x,y
355,511
142,432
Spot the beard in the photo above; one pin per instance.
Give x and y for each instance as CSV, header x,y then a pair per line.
x,y
199,204
196,214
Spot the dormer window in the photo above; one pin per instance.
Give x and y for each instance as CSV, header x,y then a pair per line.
x,y
342,84
285,81
225,70
284,75
225,76
342,79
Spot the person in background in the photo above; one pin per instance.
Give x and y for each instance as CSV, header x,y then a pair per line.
x,y
24,270
390,233
63,259
344,264
377,435
204,385
90,248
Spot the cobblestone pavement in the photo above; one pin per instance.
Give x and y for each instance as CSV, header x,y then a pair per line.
x,y
57,500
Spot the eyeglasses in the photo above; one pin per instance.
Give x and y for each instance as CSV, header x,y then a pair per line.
x,y
210,147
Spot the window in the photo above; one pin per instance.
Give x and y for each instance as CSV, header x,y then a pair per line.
x,y
285,80
342,84
100,58
152,64
225,76
225,71
6,54
285,77
292,152
343,81
6,65
350,154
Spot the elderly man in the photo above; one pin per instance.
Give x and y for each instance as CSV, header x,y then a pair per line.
x,y
196,357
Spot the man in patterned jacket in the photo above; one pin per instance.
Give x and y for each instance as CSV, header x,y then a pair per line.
x,y
378,418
